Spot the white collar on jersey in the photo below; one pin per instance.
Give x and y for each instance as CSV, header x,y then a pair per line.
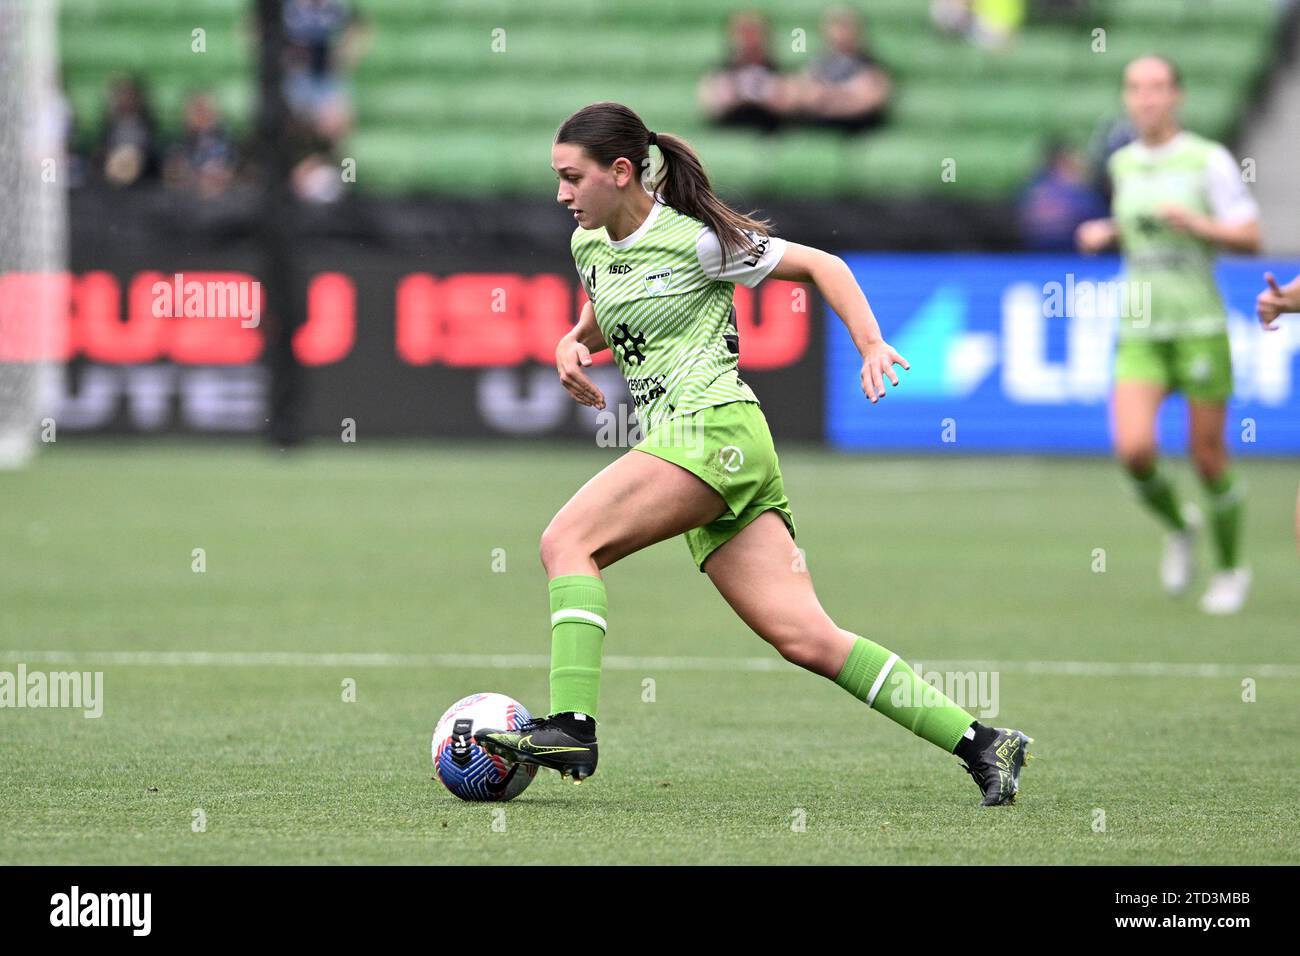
x,y
1164,150
640,230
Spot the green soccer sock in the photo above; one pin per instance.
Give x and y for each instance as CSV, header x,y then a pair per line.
x,y
578,610
883,681
1156,491
1226,498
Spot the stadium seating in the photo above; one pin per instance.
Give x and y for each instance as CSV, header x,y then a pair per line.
x,y
439,111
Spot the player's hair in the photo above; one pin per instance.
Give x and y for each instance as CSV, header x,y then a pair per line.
x,y
608,131
1175,74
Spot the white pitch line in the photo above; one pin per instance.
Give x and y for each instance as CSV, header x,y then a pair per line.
x,y
616,662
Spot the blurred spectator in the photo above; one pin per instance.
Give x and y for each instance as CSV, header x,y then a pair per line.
x,y
991,24
316,174
846,88
204,161
322,42
128,149
1058,199
747,90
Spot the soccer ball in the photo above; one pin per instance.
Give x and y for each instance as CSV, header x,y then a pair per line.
x,y
465,768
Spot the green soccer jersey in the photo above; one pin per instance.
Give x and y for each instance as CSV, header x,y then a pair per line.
x,y
1171,292
663,301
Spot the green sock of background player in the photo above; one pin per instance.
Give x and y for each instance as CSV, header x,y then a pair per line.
x,y
1225,500
578,611
884,682
1158,494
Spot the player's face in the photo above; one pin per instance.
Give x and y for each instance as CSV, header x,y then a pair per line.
x,y
587,189
1150,95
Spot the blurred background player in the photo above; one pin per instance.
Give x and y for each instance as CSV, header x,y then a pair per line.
x,y
1178,198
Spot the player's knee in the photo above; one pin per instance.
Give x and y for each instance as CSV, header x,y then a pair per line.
x,y
807,642
554,543
564,543
1137,457
1210,458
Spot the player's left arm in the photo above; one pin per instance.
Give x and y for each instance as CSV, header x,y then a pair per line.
x,y
1233,223
834,280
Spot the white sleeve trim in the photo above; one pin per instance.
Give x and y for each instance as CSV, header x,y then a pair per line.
x,y
741,268
1230,201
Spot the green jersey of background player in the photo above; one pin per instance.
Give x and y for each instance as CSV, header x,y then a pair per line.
x,y
1178,199
660,265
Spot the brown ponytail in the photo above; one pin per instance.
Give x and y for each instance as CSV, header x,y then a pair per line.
x,y
608,131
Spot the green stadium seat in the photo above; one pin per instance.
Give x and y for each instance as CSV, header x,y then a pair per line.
x,y
439,110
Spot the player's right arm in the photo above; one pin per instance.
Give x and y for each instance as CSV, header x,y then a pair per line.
x,y
1096,235
573,354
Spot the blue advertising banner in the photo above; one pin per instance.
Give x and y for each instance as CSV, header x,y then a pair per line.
x,y
1013,353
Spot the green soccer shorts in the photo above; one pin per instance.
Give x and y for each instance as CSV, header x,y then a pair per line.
x,y
730,448
1200,366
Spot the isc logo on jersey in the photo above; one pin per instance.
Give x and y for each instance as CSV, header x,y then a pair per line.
x,y
657,282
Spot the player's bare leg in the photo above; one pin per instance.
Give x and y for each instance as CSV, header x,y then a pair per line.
x,y
765,579
1134,409
1135,406
635,502
762,575
631,504
1226,593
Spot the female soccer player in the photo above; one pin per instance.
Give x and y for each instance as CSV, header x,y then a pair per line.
x,y
659,267
1178,198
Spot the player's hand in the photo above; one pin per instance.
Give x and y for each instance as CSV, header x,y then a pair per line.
x,y
1094,235
1183,220
571,357
878,363
1272,302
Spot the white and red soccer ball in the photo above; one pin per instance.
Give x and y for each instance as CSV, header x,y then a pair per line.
x,y
465,768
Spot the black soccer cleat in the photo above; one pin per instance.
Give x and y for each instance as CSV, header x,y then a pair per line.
x,y
560,742
996,767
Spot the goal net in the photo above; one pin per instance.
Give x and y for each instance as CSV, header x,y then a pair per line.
x,y
33,213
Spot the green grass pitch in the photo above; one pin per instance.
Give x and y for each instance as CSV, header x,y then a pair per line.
x,y
376,563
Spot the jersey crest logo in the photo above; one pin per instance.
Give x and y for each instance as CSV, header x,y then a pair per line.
x,y
657,282
1148,225
628,344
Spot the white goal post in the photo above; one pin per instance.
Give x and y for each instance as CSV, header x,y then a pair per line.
x,y
33,224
